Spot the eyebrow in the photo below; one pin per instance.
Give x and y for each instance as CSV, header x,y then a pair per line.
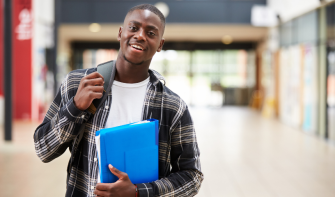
x,y
149,26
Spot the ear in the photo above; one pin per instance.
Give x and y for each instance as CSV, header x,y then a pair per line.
x,y
119,34
161,45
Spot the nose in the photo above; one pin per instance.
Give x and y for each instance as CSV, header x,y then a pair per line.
x,y
140,34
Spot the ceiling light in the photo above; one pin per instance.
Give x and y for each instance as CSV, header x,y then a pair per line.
x,y
227,39
163,7
94,27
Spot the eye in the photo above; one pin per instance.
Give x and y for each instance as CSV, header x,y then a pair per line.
x,y
152,33
133,28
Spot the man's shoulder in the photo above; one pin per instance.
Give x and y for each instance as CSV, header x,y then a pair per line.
x,y
168,93
72,80
173,101
170,96
174,108
80,73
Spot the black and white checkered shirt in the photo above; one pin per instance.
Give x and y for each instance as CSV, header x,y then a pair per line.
x,y
179,163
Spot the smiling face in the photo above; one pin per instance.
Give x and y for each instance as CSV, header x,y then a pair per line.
x,y
140,37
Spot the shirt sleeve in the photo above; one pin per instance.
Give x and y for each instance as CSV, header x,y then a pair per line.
x,y
61,123
186,176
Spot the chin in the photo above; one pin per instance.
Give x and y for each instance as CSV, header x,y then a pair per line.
x,y
135,62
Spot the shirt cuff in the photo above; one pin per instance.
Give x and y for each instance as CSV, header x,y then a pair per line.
x,y
145,189
74,114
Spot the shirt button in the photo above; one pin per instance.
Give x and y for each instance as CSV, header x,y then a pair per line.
x,y
106,107
83,116
92,187
95,159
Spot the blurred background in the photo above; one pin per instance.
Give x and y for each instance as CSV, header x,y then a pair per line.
x,y
258,75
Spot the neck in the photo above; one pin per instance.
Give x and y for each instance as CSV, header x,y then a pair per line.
x,y
127,72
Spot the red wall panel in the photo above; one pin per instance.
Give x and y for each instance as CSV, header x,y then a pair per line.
x,y
22,59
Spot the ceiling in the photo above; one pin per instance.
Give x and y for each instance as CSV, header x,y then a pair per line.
x,y
173,33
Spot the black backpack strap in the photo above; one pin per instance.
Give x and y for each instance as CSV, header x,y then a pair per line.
x,y
107,70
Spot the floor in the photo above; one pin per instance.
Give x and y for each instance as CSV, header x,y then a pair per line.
x,y
242,155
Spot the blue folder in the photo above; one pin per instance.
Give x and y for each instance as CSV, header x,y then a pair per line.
x,y
131,148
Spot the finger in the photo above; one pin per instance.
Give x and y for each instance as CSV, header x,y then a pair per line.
x,y
98,89
102,186
118,173
94,82
95,95
94,75
100,193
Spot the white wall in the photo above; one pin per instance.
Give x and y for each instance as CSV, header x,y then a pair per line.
x,y
288,9
43,22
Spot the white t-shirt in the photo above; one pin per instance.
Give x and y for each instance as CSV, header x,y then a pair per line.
x,y
127,103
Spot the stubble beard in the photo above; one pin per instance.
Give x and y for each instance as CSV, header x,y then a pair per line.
x,y
132,62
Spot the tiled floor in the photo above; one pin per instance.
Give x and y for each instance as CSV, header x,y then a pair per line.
x,y
21,171
242,155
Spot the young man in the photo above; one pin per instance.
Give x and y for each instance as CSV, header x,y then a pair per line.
x,y
138,94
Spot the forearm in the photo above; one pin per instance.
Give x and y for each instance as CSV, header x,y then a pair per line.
x,y
60,126
182,183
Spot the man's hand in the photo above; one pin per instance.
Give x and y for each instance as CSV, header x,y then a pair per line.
x,y
122,187
90,88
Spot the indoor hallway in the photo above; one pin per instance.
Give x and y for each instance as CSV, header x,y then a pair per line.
x,y
242,155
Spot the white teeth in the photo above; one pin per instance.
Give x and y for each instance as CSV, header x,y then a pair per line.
x,y
137,47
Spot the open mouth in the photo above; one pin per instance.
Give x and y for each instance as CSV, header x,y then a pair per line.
x,y
137,47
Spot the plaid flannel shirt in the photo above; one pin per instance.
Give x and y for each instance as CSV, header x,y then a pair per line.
x,y
179,163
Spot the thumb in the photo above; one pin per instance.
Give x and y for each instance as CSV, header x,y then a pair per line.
x,y
118,173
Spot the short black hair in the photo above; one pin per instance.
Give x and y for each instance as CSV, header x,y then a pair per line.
x,y
151,8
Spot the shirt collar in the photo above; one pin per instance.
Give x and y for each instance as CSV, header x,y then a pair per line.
x,y
155,77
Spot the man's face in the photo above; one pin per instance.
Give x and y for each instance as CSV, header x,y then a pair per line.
x,y
141,36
